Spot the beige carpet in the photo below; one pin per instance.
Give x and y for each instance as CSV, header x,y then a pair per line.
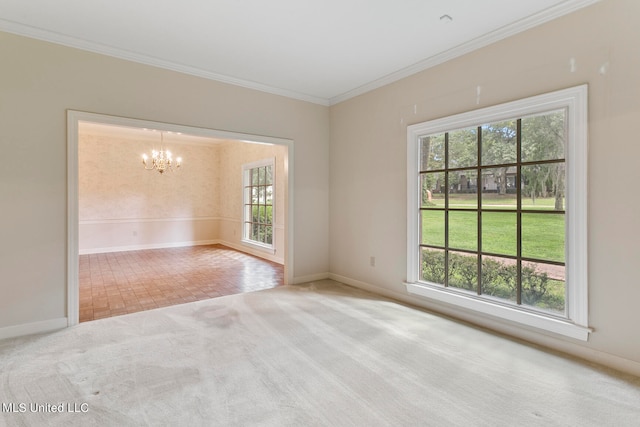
x,y
320,354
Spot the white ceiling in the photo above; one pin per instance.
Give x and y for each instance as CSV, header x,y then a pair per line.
x,y
322,51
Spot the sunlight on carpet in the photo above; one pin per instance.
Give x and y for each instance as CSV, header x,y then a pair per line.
x,y
315,354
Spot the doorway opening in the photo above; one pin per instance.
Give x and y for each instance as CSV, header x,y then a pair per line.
x,y
115,206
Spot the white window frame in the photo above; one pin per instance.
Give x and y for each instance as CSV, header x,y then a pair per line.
x,y
575,325
245,178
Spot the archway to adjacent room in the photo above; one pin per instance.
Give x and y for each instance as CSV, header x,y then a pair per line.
x,y
118,234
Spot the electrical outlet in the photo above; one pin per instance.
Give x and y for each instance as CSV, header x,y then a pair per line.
x,y
372,261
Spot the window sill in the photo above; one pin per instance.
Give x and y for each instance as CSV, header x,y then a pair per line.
x,y
526,318
259,246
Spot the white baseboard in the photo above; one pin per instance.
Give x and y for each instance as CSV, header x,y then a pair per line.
x,y
241,248
591,355
373,289
148,246
33,328
255,252
310,278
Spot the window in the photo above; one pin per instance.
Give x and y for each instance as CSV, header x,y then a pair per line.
x,y
497,211
258,195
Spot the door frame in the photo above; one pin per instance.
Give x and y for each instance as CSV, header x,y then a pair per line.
x,y
75,117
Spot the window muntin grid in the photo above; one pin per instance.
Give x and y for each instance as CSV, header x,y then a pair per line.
x,y
258,204
480,231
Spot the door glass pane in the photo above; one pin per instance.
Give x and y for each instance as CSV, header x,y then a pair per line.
x,y
268,175
267,219
269,191
268,234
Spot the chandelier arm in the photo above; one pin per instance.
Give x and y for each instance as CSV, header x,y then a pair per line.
x,y
161,160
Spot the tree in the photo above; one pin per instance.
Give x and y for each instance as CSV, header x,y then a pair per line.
x,y
463,148
499,146
432,152
431,158
543,138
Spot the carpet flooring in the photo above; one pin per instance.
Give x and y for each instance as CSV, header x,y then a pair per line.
x,y
319,354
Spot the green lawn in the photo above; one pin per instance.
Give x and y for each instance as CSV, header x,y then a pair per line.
x,y
493,201
542,234
542,238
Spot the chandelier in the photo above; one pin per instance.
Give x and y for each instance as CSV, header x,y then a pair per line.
x,y
161,160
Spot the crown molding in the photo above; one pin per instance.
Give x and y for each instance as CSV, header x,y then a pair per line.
x,y
61,39
547,15
527,23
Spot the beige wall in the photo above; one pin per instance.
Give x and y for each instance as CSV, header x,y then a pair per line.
x,y
368,162
113,183
122,206
40,81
